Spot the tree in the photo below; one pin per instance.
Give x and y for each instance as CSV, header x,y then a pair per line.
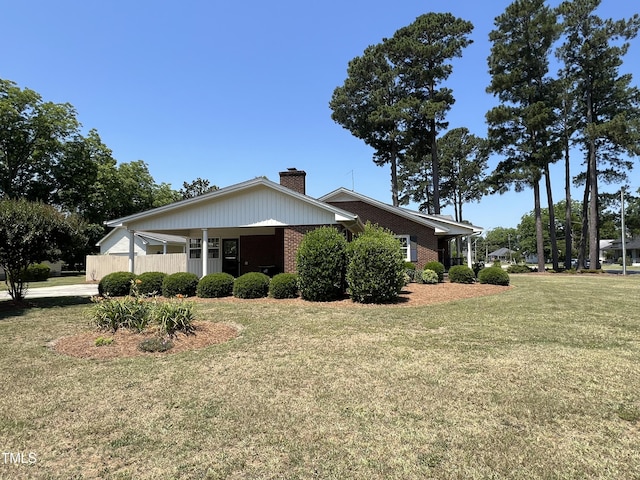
x,y
391,98
29,233
521,128
607,107
32,137
197,187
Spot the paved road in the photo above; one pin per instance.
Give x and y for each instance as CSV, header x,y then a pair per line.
x,y
80,290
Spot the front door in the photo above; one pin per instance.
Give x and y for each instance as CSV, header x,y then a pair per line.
x,y
230,256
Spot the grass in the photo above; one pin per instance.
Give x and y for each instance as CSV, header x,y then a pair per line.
x,y
539,382
74,279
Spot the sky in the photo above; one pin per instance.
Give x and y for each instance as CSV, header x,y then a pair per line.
x,y
229,91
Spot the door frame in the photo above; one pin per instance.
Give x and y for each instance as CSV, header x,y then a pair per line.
x,y
235,271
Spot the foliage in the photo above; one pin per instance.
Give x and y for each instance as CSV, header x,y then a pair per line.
x,y
215,285
174,316
155,344
461,274
375,271
518,268
251,285
103,341
126,312
197,187
391,97
436,267
29,233
180,283
493,276
321,264
150,283
477,267
116,284
429,277
38,272
284,285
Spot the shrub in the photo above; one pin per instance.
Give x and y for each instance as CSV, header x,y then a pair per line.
x,y
114,313
150,283
376,270
321,264
174,317
429,277
38,272
251,285
181,283
493,276
155,344
461,274
477,267
284,285
103,341
215,285
436,267
411,274
518,269
116,284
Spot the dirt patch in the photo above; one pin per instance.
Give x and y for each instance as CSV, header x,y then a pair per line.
x,y
125,343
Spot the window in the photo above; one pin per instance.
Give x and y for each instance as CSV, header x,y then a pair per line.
x,y
195,248
409,246
214,248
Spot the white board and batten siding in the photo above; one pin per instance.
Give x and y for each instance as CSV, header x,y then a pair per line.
x,y
257,206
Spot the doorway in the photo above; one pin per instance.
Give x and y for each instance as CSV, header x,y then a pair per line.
x,y
230,256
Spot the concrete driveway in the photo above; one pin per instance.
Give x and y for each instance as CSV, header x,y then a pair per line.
x,y
80,290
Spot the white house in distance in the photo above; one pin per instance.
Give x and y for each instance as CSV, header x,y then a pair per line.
x,y
116,242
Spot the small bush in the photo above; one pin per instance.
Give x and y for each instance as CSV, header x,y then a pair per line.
x,y
103,341
215,285
284,285
321,264
251,285
436,267
493,276
116,284
181,283
477,267
411,274
150,283
376,270
518,269
39,272
429,277
155,344
174,317
461,274
114,313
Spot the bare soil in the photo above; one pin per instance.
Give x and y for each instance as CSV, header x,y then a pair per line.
x,y
125,343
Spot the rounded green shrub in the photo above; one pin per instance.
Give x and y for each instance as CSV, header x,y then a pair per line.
x,y
116,284
284,285
150,283
38,272
251,285
181,283
215,285
461,274
321,263
518,269
493,276
436,267
376,270
429,277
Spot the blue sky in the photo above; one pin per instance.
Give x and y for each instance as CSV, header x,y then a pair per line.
x,y
233,90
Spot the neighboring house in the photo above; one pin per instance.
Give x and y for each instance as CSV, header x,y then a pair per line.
x,y
116,242
502,254
258,225
632,248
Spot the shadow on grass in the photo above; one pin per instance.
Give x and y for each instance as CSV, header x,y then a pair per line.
x,y
9,308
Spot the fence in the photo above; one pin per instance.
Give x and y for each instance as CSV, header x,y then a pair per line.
x,y
100,265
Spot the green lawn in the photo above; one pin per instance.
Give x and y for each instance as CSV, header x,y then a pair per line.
x,y
53,281
542,381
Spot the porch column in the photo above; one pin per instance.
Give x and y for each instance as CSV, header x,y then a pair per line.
x,y
469,261
132,250
164,247
205,250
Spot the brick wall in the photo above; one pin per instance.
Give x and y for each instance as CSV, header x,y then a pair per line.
x,y
292,238
426,238
294,179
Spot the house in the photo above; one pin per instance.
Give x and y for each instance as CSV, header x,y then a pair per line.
x,y
502,254
116,242
258,225
632,249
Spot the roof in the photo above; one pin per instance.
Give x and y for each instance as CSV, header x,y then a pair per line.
x,y
146,237
501,252
629,244
348,219
443,225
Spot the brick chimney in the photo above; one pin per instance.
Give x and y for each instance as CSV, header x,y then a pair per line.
x,y
294,179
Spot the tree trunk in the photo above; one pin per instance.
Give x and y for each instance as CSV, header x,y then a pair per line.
x,y
552,219
594,240
584,231
538,218
568,226
394,175
435,167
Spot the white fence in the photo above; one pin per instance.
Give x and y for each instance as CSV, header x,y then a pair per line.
x,y
100,265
